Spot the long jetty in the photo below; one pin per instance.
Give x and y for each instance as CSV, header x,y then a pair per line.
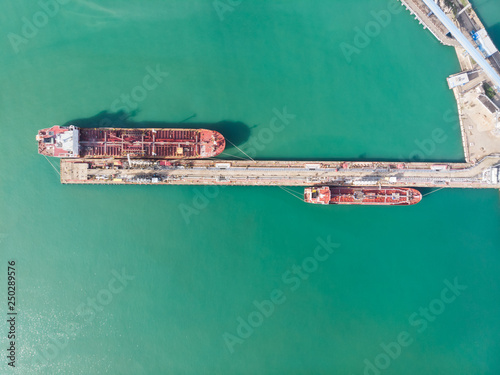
x,y
484,174
481,170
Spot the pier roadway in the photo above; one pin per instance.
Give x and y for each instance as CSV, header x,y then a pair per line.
x,y
484,174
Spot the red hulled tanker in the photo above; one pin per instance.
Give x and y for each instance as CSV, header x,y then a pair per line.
x,y
73,142
362,196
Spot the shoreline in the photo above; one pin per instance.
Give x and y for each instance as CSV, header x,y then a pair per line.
x,y
477,117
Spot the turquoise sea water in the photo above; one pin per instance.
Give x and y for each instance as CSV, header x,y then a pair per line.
x,y
488,10
121,280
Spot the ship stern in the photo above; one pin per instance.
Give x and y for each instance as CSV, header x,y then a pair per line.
x,y
59,141
317,195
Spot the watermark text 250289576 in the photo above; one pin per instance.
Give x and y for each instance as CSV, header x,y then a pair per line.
x,y
11,313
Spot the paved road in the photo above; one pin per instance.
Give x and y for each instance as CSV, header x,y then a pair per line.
x,y
290,173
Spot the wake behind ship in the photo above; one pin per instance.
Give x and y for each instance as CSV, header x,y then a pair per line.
x,y
73,142
362,196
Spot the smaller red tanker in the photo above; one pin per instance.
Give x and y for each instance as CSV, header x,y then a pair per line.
x,y
362,196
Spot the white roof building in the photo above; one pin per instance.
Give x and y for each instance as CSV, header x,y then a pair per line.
x,y
458,80
485,43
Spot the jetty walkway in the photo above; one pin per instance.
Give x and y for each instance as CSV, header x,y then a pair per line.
x,y
484,174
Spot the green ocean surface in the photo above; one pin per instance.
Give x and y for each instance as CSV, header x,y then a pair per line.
x,y
188,280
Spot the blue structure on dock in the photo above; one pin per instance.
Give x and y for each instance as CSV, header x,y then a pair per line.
x,y
464,42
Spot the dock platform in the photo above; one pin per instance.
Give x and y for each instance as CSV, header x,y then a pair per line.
x,y
484,174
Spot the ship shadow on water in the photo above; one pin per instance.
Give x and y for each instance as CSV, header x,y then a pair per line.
x,y
234,131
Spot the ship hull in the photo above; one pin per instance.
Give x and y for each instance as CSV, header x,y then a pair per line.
x,y
72,142
374,196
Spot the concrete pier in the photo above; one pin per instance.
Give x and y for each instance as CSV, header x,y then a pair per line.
x,y
484,174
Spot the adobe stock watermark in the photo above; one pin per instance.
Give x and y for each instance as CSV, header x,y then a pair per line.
x,y
87,312
420,320
428,146
364,36
202,197
31,26
266,135
224,6
130,101
201,200
292,279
